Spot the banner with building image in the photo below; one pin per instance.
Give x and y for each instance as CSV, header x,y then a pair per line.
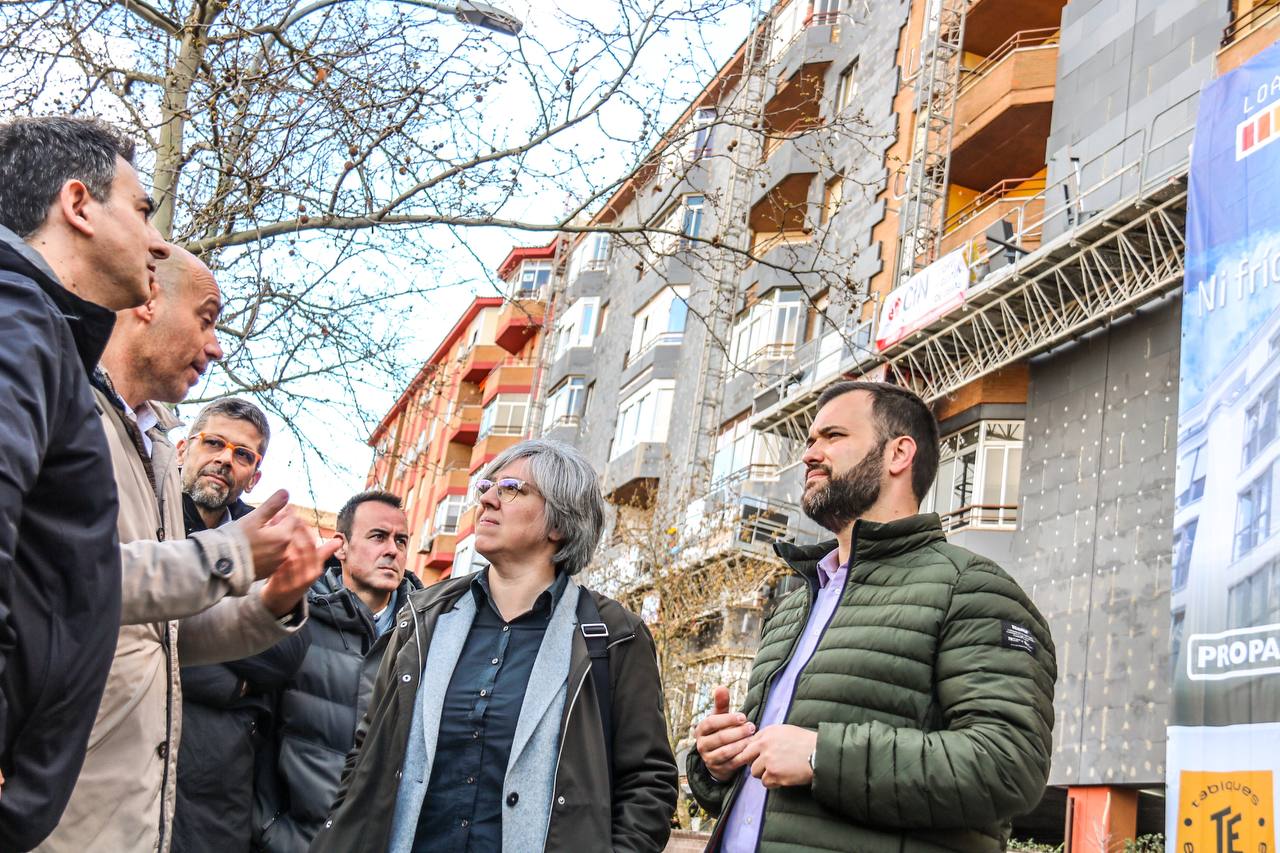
x,y
1224,728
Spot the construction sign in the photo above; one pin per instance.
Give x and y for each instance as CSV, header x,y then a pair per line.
x,y
1224,727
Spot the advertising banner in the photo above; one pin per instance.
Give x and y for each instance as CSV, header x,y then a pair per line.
x,y
923,298
1224,727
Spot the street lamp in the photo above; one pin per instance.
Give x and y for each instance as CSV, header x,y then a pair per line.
x,y
480,15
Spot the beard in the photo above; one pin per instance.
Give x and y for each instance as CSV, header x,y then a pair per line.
x,y
842,499
210,494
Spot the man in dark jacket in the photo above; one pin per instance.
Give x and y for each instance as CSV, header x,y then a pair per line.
x,y
226,708
353,608
76,245
903,699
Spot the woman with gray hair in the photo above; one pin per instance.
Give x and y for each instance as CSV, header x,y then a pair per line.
x,y
514,710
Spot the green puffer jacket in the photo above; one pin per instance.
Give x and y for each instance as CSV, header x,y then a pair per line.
x,y
933,709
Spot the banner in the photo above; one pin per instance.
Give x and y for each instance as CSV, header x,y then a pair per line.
x,y
1224,727
923,298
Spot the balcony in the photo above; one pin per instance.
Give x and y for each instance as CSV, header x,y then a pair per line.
x,y
479,360
732,518
989,23
488,448
631,479
439,550
1003,110
1255,24
781,215
464,426
795,107
509,377
659,351
1016,201
518,324
563,428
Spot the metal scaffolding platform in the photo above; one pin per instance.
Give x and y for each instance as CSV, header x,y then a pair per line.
x,y
1105,267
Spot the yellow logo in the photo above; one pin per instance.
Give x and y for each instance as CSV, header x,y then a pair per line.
x,y
1229,812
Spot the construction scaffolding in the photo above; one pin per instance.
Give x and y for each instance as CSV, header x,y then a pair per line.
x,y
937,83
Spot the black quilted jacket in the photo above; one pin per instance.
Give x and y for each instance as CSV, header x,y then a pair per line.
x,y
933,708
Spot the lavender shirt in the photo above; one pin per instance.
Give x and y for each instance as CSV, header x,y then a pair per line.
x,y
742,824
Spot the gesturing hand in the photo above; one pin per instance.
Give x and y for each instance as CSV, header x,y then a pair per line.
x,y
302,563
779,755
721,736
269,529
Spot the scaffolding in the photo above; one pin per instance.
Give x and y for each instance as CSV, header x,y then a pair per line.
x,y
937,83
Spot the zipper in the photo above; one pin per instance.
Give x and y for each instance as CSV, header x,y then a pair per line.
x,y
168,727
812,587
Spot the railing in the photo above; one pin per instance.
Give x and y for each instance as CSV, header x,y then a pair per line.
x,y
1021,40
768,352
980,515
566,420
763,243
664,339
1258,14
774,139
1007,190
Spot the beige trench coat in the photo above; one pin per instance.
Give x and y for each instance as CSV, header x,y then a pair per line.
x,y
188,594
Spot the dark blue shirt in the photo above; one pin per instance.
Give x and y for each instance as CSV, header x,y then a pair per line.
x,y
462,809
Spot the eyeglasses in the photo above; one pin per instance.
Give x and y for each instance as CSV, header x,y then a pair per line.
x,y
508,488
215,444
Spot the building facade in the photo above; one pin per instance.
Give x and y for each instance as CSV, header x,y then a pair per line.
x,y
470,401
983,200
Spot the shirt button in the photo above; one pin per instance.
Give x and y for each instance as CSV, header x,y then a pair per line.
x,y
162,750
513,798
406,677
404,624
471,780
223,566
506,627
475,735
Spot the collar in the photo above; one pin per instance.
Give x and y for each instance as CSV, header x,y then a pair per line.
x,y
90,323
149,414
871,541
829,567
545,602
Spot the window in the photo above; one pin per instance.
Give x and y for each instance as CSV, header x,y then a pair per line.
x,y
1256,599
591,254
978,477
832,196
847,86
448,511
744,452
1253,514
787,24
661,321
1183,540
534,276
682,218
1175,636
692,225
769,329
1190,476
704,120
1260,422
577,327
565,404
643,416
465,559
504,415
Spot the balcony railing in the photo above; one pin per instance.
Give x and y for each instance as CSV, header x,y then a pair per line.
x,y
980,516
1022,40
1007,190
1247,16
664,339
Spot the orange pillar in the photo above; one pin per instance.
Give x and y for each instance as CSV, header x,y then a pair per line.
x,y
1100,818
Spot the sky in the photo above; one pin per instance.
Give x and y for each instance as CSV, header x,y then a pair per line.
x,y
325,476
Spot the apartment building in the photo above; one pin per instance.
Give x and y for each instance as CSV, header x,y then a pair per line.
x,y
983,200
470,401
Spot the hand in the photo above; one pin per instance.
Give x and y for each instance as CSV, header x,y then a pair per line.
x,y
302,563
721,736
779,755
269,531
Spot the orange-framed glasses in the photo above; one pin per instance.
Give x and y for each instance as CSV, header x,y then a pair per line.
x,y
215,444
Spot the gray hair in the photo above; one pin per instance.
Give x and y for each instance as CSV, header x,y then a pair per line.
x,y
39,155
236,409
569,484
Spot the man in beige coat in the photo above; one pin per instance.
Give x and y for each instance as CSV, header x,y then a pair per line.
x,y
186,601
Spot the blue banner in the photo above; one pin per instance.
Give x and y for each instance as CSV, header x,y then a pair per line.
x,y
1224,728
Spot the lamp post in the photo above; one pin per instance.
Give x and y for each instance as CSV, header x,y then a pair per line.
x,y
480,15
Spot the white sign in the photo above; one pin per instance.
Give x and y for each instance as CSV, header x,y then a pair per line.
x,y
927,295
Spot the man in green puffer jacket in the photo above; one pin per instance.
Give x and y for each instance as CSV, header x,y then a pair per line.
x,y
903,700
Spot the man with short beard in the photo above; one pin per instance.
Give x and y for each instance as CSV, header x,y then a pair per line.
x,y
903,699
226,707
